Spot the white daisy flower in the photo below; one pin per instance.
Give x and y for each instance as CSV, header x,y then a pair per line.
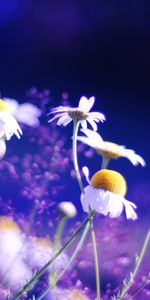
x,y
109,150
67,209
66,114
26,113
105,194
8,124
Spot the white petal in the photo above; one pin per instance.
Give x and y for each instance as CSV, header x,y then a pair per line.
x,y
85,171
84,124
58,116
101,201
2,148
93,136
29,108
90,103
115,206
60,109
64,119
9,125
67,121
12,104
98,116
85,200
86,141
92,123
130,213
83,104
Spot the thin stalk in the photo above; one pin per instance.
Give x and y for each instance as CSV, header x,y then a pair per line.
x,y
75,161
97,272
138,263
140,288
105,162
35,277
74,150
72,257
56,248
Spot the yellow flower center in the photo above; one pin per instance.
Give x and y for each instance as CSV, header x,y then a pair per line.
x,y
44,242
7,224
109,180
3,106
111,150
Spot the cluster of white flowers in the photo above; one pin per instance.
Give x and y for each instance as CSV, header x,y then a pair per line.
x,y
20,256
106,190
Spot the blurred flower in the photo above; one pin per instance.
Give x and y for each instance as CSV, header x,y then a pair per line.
x,y
67,209
17,275
25,113
66,114
8,124
40,251
11,241
108,149
105,194
67,294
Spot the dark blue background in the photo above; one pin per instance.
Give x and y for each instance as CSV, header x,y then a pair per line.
x,y
100,49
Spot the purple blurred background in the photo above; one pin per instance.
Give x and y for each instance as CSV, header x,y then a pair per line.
x,y
85,48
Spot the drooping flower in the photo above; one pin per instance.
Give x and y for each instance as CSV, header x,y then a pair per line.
x,y
26,113
108,149
8,124
66,114
105,194
67,209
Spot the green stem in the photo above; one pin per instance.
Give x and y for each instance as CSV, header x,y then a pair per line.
x,y
59,233
97,273
35,278
74,150
105,162
75,160
138,263
85,232
140,288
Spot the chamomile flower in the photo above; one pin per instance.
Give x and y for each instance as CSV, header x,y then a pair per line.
x,y
66,114
109,150
8,124
26,113
105,194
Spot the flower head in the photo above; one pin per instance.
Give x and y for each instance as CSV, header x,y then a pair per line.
x,y
66,114
108,149
8,124
26,113
105,194
67,209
